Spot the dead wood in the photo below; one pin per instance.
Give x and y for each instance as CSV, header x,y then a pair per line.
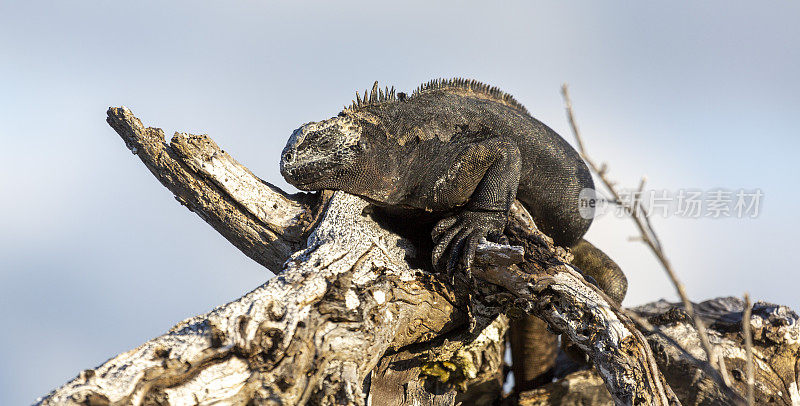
x,y
354,316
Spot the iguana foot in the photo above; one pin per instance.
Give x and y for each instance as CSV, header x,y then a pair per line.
x,y
458,237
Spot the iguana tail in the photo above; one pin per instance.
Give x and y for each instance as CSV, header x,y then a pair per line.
x,y
533,352
595,263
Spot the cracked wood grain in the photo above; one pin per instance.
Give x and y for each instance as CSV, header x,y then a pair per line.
x,y
313,334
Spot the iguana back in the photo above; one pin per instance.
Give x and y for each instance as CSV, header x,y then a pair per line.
x,y
458,114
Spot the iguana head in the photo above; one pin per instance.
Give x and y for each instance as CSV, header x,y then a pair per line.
x,y
319,155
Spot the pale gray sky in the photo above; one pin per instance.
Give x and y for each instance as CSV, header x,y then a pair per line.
x,y
97,257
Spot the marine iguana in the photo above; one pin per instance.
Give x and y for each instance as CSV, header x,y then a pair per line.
x,y
459,151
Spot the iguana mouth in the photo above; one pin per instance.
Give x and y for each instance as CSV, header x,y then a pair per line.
x,y
317,184
313,173
314,170
303,185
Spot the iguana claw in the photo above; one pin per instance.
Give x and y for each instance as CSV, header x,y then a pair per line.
x,y
458,237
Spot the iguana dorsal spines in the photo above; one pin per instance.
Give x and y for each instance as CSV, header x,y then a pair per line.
x,y
470,87
372,98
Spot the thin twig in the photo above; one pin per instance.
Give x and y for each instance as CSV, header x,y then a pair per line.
x,y
748,345
647,232
637,198
723,369
653,234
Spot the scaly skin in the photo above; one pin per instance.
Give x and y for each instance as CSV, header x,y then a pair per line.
x,y
459,152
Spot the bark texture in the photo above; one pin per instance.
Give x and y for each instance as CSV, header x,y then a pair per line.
x,y
547,286
776,348
312,334
265,223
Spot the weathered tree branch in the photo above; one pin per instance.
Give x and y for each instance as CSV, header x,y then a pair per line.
x,y
264,222
355,315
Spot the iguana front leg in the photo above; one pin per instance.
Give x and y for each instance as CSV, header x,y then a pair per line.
x,y
492,169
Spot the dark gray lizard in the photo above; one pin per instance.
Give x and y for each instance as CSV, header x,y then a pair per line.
x,y
458,151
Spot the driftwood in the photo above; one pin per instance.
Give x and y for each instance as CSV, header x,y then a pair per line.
x,y
355,315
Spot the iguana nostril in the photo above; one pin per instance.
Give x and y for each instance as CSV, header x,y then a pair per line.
x,y
287,156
